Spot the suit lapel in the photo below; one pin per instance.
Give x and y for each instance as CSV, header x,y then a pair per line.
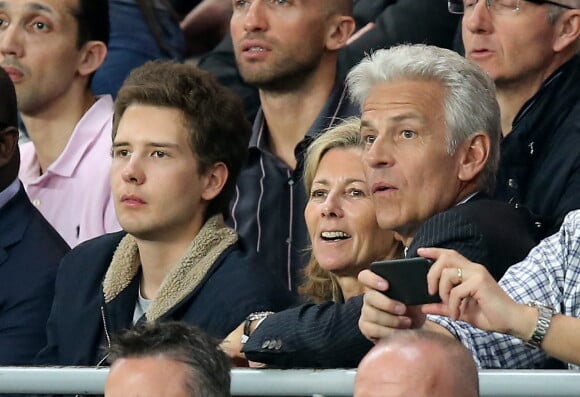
x,y
14,219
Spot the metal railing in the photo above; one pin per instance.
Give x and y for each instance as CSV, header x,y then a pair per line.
x,y
303,382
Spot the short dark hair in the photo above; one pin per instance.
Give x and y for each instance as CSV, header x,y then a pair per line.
x,y
93,21
209,366
217,126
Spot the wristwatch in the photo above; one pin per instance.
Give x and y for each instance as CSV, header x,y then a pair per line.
x,y
248,323
545,314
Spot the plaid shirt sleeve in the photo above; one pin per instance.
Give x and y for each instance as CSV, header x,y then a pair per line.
x,y
550,274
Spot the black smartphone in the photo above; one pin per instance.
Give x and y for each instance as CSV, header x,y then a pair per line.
x,y
407,280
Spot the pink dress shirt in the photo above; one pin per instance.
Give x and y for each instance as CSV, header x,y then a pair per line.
x,y
74,194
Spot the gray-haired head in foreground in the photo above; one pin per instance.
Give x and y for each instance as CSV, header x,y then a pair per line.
x,y
470,104
209,367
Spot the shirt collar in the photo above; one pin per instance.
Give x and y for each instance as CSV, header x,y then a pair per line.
x,y
466,199
327,118
86,132
552,79
7,194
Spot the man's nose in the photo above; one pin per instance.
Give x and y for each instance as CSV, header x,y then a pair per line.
x,y
132,172
379,153
255,18
11,41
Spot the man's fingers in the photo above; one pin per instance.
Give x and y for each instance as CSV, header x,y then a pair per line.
x,y
372,280
440,309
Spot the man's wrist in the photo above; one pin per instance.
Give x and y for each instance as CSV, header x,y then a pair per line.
x,y
542,323
524,323
253,320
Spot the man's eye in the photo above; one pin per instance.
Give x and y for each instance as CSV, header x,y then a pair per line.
x,y
121,153
240,3
469,3
408,134
368,140
159,153
39,26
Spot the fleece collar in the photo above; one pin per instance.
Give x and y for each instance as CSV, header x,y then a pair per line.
x,y
213,239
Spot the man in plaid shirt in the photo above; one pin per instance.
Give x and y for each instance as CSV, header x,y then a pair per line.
x,y
533,313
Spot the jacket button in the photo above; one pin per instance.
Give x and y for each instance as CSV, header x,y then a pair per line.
x,y
512,183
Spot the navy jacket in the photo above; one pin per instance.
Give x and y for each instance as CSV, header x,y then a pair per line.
x,y
540,157
81,323
30,251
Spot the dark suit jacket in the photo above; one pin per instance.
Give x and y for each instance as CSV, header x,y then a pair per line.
x,y
30,251
489,232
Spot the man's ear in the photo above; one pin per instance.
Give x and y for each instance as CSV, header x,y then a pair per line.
x,y
340,29
93,55
567,31
214,180
474,155
8,145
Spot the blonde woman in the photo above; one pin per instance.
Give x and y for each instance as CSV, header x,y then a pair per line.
x,y
340,217
345,239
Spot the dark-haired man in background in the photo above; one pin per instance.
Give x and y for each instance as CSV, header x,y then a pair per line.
x,y
289,51
50,49
168,359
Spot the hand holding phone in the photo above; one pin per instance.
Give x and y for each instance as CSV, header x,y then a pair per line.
x,y
407,280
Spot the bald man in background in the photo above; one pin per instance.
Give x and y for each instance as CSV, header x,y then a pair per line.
x,y
417,363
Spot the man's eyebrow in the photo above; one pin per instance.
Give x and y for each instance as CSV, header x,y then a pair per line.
x,y
365,124
150,144
31,7
397,119
38,7
163,144
408,116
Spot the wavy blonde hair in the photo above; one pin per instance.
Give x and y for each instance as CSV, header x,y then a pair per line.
x,y
319,284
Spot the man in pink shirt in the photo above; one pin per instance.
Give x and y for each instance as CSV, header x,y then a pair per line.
x,y
50,49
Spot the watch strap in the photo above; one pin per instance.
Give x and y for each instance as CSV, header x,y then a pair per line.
x,y
545,314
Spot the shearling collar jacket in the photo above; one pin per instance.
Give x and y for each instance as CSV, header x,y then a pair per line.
x,y
212,240
214,287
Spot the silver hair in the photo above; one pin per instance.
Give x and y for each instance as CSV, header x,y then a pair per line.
x,y
555,11
470,102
